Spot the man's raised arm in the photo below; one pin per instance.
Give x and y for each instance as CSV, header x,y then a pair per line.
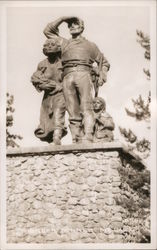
x,y
51,29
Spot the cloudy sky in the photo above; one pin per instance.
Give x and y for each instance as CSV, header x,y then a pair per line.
x,y
111,26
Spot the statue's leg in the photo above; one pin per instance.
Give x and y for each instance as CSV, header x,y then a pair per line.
x,y
72,105
86,91
58,118
57,135
75,130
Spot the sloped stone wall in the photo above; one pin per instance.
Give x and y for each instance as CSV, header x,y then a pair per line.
x,y
68,197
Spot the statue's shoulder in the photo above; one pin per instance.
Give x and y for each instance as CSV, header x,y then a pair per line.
x,y
105,115
43,63
91,43
63,41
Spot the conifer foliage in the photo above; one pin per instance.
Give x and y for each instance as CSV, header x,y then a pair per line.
x,y
141,108
10,138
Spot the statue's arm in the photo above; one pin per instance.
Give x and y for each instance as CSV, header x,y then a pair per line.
x,y
107,121
37,73
51,30
103,66
36,77
39,80
58,88
103,71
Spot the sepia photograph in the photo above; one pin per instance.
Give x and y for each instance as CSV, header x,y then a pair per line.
x,y
78,125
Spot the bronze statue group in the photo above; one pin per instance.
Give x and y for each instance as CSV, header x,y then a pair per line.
x,y
70,83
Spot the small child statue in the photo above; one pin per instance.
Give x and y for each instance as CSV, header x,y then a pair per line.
x,y
104,125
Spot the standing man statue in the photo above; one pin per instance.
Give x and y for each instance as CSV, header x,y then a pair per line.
x,y
48,78
78,56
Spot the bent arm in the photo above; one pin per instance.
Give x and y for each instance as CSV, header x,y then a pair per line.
x,y
38,79
107,121
35,78
51,29
103,66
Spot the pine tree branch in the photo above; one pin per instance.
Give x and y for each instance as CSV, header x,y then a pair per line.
x,y
144,41
128,135
10,138
147,72
142,109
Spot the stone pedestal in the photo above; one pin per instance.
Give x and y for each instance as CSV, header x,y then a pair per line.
x,y
68,194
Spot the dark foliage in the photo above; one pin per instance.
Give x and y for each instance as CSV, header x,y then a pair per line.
x,y
10,138
144,41
142,109
136,196
128,135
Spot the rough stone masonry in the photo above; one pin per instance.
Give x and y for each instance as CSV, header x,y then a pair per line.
x,y
67,195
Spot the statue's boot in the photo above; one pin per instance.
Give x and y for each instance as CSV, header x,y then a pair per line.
x,y
75,130
57,135
87,138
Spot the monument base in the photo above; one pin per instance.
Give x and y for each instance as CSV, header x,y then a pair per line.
x,y
71,194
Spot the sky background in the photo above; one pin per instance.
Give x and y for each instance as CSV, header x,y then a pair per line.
x,y
112,28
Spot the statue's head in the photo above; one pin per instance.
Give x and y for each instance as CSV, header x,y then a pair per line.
x,y
51,46
76,26
99,104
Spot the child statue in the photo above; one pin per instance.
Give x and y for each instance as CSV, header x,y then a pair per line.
x,y
104,125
